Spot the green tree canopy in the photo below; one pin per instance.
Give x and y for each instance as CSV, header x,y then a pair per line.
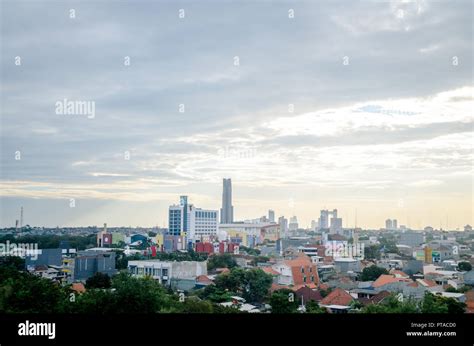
x,y
99,280
194,305
312,307
433,304
221,261
253,284
372,273
464,266
391,305
283,302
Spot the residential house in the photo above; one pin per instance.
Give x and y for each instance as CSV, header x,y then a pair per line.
x,y
338,301
297,272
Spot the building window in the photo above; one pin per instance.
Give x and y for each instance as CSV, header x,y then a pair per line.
x,y
312,278
302,269
304,278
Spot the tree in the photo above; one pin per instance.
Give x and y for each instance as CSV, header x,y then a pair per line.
x,y
95,301
249,251
464,266
324,292
451,289
372,273
221,261
22,292
121,260
253,284
257,283
389,244
391,305
98,280
432,304
215,294
194,305
312,307
372,252
283,302
141,295
219,309
357,305
232,281
14,262
259,259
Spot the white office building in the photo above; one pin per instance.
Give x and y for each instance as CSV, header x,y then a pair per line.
x,y
196,223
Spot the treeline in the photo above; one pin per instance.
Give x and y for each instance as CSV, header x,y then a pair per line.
x,y
22,292
52,241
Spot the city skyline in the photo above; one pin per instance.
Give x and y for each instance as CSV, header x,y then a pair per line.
x,y
363,106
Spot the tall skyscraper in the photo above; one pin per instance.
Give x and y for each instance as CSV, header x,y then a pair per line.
x,y
271,216
227,210
391,224
283,226
293,225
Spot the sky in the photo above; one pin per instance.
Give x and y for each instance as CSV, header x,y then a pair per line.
x,y
364,106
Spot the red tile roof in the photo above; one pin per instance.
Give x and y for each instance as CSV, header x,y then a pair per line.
x,y
337,297
270,270
323,286
78,287
469,301
203,279
222,270
308,294
303,263
427,283
379,297
276,287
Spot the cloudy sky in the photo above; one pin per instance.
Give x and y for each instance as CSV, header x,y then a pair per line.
x,y
365,106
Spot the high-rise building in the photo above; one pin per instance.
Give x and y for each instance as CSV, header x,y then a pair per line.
x,y
271,216
391,224
195,223
227,210
324,219
293,226
335,223
283,225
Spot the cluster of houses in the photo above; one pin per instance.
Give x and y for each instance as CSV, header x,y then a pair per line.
x,y
301,264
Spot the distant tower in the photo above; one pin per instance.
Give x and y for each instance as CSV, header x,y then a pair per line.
x,y
271,215
227,210
21,219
